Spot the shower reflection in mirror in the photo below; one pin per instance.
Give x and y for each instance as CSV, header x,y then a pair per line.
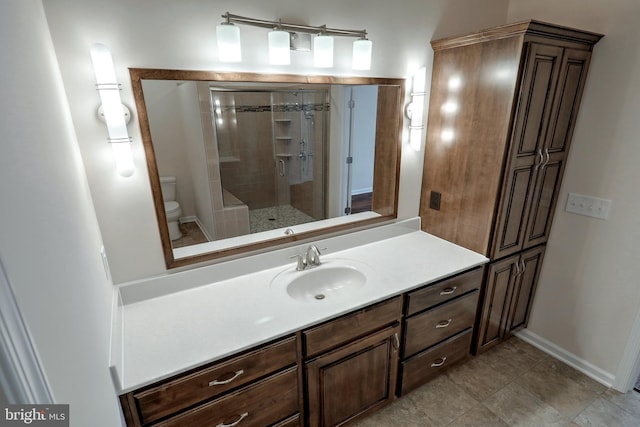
x,y
267,154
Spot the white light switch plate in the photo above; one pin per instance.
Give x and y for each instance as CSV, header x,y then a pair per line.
x,y
588,206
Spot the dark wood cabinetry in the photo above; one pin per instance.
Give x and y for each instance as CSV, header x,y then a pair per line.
x,y
509,290
502,110
351,364
259,386
438,328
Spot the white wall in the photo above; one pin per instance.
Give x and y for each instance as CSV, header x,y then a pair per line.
x,y
148,33
588,294
49,236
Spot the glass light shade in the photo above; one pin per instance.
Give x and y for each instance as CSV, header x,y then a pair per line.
x,y
112,108
419,80
279,47
415,138
362,54
228,36
123,157
323,51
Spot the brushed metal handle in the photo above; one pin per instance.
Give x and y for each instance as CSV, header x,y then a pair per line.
x,y
449,290
396,341
235,375
443,323
546,152
235,423
524,267
538,164
440,363
517,269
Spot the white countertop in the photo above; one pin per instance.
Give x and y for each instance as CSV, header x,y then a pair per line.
x,y
174,332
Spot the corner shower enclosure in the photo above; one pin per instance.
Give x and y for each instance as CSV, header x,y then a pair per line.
x,y
271,149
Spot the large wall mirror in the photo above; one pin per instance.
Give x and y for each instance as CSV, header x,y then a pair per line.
x,y
240,162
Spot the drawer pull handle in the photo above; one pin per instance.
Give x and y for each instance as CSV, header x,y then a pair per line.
x,y
235,375
242,417
439,362
396,341
449,290
443,323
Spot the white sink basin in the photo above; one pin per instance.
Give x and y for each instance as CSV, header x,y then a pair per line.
x,y
333,279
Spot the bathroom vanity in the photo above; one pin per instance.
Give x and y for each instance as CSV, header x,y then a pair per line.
x,y
245,350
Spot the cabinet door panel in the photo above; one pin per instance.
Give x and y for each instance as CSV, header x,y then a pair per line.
x,y
572,78
495,307
544,201
536,98
525,287
353,379
512,224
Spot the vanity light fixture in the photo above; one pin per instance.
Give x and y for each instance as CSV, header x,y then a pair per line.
x,y
113,110
279,46
415,109
323,50
228,37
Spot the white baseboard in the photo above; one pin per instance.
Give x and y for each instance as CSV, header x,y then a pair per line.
x,y
603,377
195,219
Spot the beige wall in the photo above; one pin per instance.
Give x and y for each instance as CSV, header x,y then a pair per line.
x,y
181,34
589,293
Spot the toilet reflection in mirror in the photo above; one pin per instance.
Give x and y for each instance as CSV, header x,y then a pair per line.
x,y
171,206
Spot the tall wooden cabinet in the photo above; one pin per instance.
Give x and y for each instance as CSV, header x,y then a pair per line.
x,y
502,110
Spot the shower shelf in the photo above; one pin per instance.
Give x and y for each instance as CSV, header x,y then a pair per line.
x,y
283,138
284,155
282,120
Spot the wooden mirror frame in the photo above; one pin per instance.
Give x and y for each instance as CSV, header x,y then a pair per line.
x,y
388,146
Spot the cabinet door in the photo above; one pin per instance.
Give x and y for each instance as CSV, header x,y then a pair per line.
x,y
549,174
540,77
495,305
525,287
353,379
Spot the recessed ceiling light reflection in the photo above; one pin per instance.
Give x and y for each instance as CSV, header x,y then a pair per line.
x,y
447,135
450,107
454,83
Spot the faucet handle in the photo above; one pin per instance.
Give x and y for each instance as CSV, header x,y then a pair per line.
x,y
302,262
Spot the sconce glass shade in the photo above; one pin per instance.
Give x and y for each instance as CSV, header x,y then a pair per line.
x,y
417,108
228,36
323,51
362,54
279,47
114,116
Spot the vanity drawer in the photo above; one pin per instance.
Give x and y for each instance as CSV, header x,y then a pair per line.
x,y
426,365
428,328
440,292
351,326
293,421
187,390
264,403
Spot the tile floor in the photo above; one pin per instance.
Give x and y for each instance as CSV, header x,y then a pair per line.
x,y
513,384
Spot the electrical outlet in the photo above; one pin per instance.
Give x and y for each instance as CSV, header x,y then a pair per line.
x,y
588,206
434,200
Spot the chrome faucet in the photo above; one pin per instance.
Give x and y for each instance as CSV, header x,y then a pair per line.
x,y
309,259
313,256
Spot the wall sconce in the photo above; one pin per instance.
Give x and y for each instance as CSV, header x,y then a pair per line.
x,y
228,37
113,110
415,109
